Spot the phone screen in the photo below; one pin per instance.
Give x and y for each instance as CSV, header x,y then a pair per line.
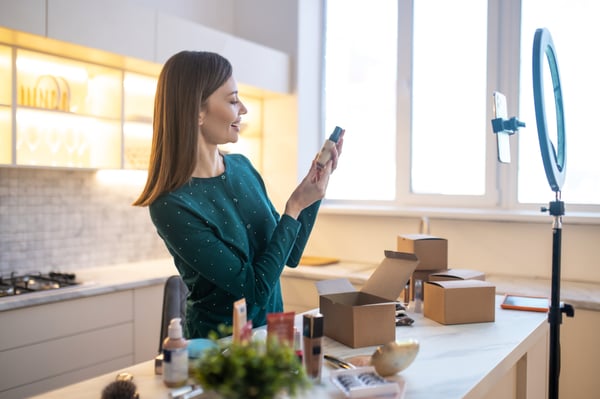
x,y
502,138
539,304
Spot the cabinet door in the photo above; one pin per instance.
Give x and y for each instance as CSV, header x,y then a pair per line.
x,y
110,25
24,15
41,343
147,305
254,65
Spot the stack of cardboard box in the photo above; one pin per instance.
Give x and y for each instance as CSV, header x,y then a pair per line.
x,y
450,296
432,253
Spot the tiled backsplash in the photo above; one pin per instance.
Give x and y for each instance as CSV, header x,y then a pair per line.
x,y
64,220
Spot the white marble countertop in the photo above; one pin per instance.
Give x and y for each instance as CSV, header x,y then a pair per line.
x,y
106,279
97,281
458,361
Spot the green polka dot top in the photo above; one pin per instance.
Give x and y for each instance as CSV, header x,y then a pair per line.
x,y
229,242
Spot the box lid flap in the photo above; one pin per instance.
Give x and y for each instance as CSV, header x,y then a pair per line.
x,y
335,286
450,284
463,274
420,237
391,276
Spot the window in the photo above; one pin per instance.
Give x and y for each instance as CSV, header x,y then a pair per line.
x,y
361,95
413,88
572,25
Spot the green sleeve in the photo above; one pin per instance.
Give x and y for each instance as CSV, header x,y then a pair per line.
x,y
199,248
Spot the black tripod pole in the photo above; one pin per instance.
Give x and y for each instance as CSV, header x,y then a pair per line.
x,y
556,310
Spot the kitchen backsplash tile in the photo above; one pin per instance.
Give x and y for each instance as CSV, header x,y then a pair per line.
x,y
64,220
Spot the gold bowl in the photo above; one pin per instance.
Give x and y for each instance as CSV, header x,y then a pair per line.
x,y
395,356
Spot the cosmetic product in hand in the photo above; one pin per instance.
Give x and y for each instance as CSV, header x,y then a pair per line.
x,y
325,153
312,331
175,356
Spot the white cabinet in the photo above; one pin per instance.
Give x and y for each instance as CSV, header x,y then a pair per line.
x,y
73,113
52,345
111,25
100,122
24,15
147,310
68,112
254,65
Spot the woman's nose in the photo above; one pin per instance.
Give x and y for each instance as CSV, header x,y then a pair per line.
x,y
243,109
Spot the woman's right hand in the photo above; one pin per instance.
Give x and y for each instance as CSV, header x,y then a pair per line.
x,y
314,185
311,189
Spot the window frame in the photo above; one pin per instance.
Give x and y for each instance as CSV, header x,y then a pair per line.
x,y
500,200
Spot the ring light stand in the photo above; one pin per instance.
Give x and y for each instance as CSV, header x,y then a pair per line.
x,y
555,166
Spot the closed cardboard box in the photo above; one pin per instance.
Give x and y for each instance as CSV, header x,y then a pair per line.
x,y
431,251
460,301
366,317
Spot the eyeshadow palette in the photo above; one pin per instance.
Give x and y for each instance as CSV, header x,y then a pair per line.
x,y
364,382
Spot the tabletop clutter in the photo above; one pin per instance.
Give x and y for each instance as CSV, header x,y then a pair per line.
x,y
413,278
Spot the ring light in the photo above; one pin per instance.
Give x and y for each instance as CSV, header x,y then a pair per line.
x,y
555,160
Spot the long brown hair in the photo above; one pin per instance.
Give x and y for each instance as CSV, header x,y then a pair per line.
x,y
186,81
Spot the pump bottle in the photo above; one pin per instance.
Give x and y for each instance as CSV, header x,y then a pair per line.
x,y
325,153
175,356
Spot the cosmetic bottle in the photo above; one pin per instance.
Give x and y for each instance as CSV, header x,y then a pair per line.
x,y
312,327
325,153
298,344
175,356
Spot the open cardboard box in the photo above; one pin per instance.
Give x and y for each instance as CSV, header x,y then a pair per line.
x,y
366,317
431,251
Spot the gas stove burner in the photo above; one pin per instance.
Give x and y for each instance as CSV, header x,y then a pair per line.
x,y
34,282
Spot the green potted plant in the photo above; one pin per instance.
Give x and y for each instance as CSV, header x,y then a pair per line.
x,y
253,369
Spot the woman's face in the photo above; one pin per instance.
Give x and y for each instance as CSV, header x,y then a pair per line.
x,y
220,118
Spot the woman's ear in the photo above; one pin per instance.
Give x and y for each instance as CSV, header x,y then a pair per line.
x,y
200,118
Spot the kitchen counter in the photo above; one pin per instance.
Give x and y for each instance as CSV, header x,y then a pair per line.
x,y
483,360
98,281
107,279
125,276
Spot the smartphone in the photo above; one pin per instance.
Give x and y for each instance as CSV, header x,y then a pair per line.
x,y
502,137
524,302
325,153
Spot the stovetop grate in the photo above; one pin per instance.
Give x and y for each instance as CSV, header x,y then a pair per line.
x,y
33,282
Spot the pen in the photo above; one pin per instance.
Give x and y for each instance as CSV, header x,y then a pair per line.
x,y
339,362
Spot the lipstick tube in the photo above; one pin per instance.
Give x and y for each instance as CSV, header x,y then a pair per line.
x,y
312,331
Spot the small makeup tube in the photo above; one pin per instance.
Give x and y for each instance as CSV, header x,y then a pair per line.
x,y
158,364
298,344
312,331
240,318
280,325
178,393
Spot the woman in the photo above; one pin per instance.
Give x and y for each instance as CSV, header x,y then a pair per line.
x,y
211,209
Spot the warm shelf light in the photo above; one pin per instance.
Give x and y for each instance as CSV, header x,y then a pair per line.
x,y
140,85
33,66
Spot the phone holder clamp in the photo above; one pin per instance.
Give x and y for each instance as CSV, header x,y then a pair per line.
x,y
510,126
